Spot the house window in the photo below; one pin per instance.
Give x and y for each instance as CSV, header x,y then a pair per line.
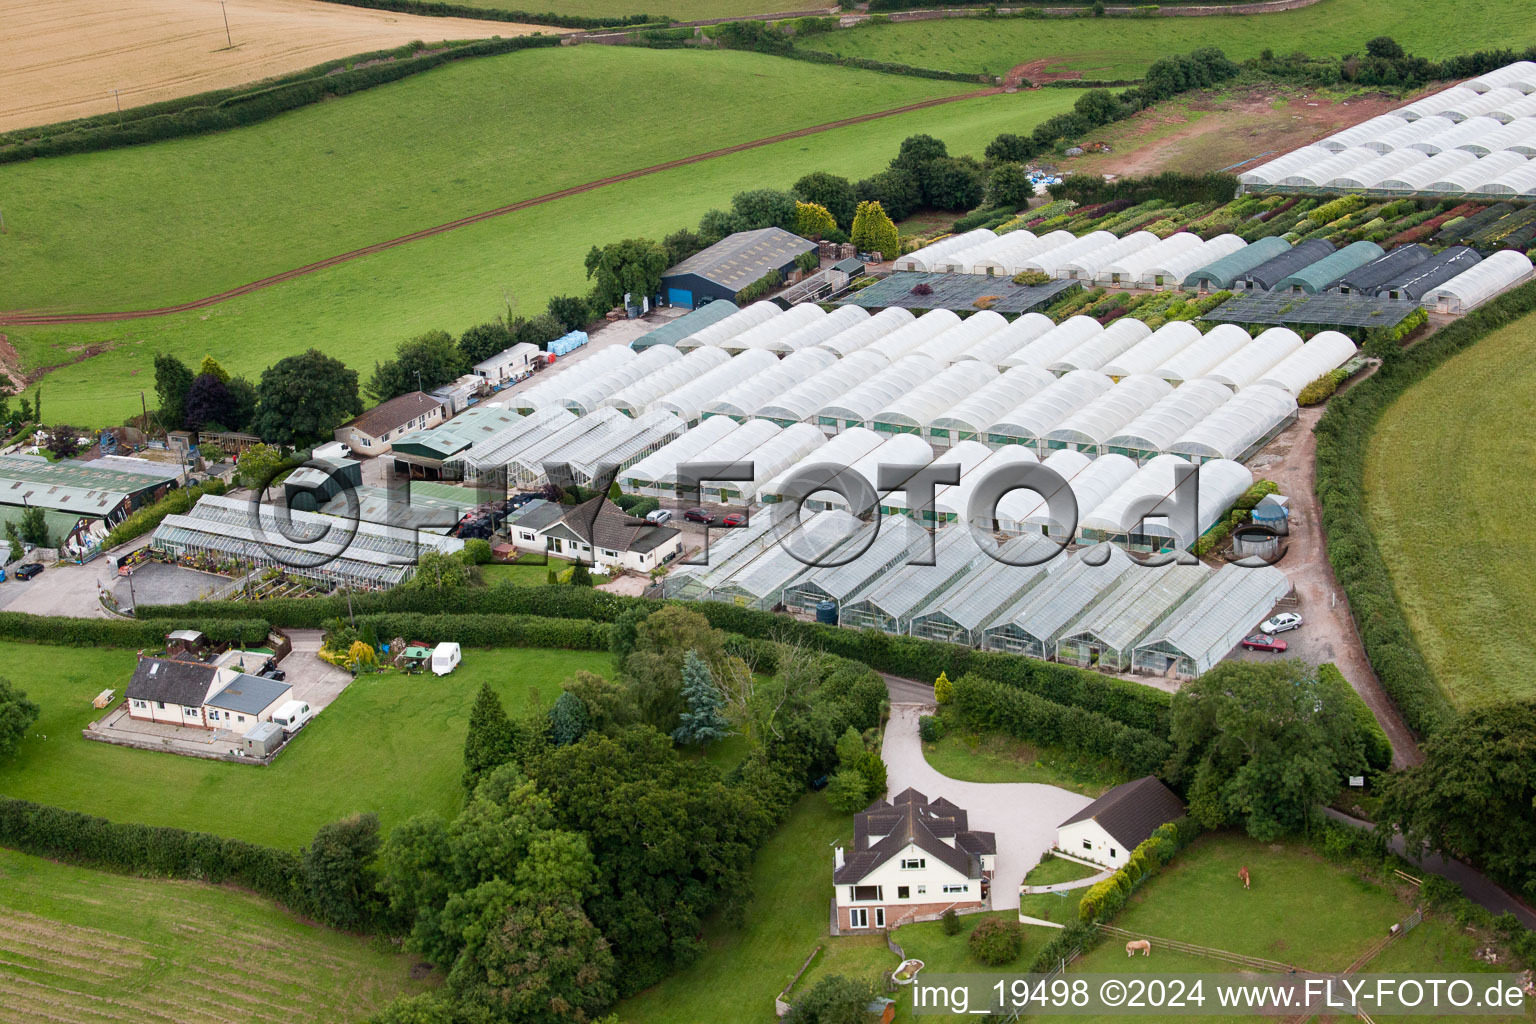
x,y
879,917
160,704
903,892
239,718
866,893
1111,853
213,716
858,917
951,889
913,863
1087,844
922,890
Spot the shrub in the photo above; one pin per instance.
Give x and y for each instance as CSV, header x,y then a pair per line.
x,y
943,689
996,942
1323,388
477,551
1378,749
1031,278
1075,935
930,728
949,921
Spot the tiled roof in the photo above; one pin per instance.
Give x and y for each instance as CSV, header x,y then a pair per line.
x,y
1133,810
911,819
613,528
396,412
175,682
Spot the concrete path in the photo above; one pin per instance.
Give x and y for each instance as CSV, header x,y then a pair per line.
x,y
1024,815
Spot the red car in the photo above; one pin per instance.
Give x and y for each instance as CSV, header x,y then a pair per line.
x,y
735,519
698,515
1264,642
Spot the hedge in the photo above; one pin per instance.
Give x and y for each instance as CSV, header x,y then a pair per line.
x,y
1179,189
986,704
1378,749
436,9
1104,899
1343,438
131,633
492,630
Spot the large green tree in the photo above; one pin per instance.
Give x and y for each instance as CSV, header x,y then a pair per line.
x,y
491,740
173,379
873,231
421,363
337,870
951,183
1474,795
832,191
765,208
482,341
633,266
209,404
17,714
1261,743
305,398
835,999
702,722
897,193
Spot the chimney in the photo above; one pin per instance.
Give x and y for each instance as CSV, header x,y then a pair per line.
x,y
837,859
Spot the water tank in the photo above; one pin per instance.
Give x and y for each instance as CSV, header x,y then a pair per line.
x,y
1248,541
826,612
1274,512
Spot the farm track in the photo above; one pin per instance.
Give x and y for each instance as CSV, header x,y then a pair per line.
x,y
30,318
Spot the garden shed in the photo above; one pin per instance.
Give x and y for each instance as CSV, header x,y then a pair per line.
x,y
1138,603
1029,421
1220,274
731,264
1211,621
1033,623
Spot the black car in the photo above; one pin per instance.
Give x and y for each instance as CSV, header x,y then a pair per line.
x,y
29,570
276,674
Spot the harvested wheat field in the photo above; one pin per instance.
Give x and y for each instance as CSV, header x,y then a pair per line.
x,y
61,59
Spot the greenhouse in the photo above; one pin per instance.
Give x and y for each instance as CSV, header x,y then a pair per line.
x,y
924,259
1471,288
841,451
1222,482
555,383
728,551
858,405
1356,135
1519,180
1518,131
1264,276
961,612
867,332
1033,624
641,395
1215,347
1001,258
1416,177
1171,272
1239,428
966,455
812,334
614,444
1055,343
1520,75
644,477
898,450
1436,103
1410,134
769,459
905,340
1089,265
1115,340
1154,350
1130,268
890,548
889,604
1007,516
1170,418
914,411
736,445
1470,178
1315,176
1481,105
952,504
799,403
1367,280
995,349
1031,419
1327,350
968,419
1119,518
1211,621
1090,486
1325,273
1138,603
1368,175
1269,174
760,582
718,333
594,392
674,331
490,456
1052,262
1219,275
950,346
744,399
687,401
774,328
1463,133
959,261
1438,269
1256,358
1089,429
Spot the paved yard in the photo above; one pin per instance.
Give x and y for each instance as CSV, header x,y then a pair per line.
x,y
162,583
60,590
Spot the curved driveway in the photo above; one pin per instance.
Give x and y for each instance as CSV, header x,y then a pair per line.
x,y
1024,815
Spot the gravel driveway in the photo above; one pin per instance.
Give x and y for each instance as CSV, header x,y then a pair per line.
x,y
1024,815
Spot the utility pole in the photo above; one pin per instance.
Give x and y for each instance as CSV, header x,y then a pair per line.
x,y
227,38
119,100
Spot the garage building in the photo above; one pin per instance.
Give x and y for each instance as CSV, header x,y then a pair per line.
x,y
731,264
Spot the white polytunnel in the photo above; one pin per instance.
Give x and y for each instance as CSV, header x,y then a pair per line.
x,y
951,345
896,450
1222,482
1240,426
1128,269
905,340
1271,172
799,403
814,333
1091,427
961,260
787,322
594,393
841,451
1369,175
639,396
1481,282
688,400
722,331
1171,271
1052,260
1357,135
865,333
1482,104
1436,103
1154,350
1002,256
1470,177
729,448
747,397
1520,181
643,476
1514,111
1326,351
548,391
1465,131
1319,174
924,258
769,459
1087,266
914,411
1417,176
1014,506
1408,133
1029,421
1055,343
1120,514
952,504
1520,75
1196,360
1517,137
994,349
1168,419
966,455
969,418
1090,486
1256,358
858,405
1115,340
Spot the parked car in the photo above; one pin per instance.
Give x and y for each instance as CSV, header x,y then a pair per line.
x,y
1280,623
271,671
735,519
659,516
29,570
1264,642
698,515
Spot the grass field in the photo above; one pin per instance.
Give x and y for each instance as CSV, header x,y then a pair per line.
x,y
993,757
391,744
677,10
361,309
83,946
1124,47
1440,494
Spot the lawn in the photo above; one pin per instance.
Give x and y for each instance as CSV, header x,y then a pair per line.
x,y
391,744
361,309
994,757
84,945
1442,501
1113,48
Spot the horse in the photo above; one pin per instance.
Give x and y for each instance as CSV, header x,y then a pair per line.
x,y
1138,944
1242,873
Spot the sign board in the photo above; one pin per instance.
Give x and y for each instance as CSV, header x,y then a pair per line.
x,y
1357,780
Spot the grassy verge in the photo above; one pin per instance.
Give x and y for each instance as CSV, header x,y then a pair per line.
x,y
399,738
994,757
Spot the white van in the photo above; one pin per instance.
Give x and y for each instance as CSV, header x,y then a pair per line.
x,y
292,716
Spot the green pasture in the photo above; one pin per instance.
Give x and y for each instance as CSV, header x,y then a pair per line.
x,y
392,744
360,310
677,10
1114,48
1442,501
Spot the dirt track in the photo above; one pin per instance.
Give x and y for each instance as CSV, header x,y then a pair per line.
x,y
61,59
20,317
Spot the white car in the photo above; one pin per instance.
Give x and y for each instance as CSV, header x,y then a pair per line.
x,y
658,516
1281,623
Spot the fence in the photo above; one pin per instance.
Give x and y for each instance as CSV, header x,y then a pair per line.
x,y
1226,956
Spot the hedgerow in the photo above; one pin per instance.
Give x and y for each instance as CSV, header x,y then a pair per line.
x,y
130,633
1378,749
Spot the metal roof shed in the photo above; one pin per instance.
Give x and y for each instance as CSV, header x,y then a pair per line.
x,y
744,399
1031,419
643,476
769,459
1439,268
1166,420
994,349
732,264
800,402
1138,603
812,334
1072,588
1115,340
968,419
1211,621
951,345
1216,346
888,549
1315,278
1090,428
857,406
774,328
1328,350
841,451
636,398
1152,351
687,402
1366,280
1055,343
1220,274
1256,358
1240,427
865,333
905,340
928,255
718,333
1264,276
964,609
1474,286
675,330
889,604
914,411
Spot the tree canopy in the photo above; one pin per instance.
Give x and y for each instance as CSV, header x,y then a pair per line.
x,y
422,363
17,714
633,266
305,398
831,191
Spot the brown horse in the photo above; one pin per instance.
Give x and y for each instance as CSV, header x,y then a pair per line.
x,y
1242,873
1138,945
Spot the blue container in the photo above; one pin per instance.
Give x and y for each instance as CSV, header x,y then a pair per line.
x,y
826,612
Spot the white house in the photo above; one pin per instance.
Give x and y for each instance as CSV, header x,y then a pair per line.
x,y
507,364
201,696
1107,830
371,433
597,532
910,857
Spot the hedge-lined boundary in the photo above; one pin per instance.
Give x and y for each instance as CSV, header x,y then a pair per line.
x,y
865,64
1343,438
234,108
436,9
1378,749
1104,899
493,630
130,633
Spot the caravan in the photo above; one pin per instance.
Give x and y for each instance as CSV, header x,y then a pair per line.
x,y
445,658
292,716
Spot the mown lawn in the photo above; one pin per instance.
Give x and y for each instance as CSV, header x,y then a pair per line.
x,y
1442,497
994,757
1113,48
362,309
391,744
85,945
